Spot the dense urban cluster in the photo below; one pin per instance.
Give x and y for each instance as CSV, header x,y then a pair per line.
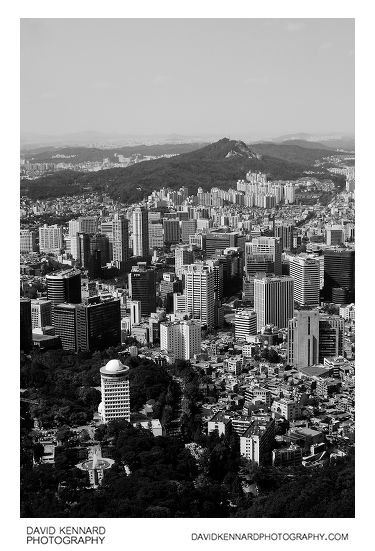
x,y
209,337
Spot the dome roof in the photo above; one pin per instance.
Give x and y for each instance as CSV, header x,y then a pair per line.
x,y
114,365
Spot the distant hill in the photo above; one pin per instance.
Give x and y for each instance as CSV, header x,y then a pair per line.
x,y
77,154
291,152
219,164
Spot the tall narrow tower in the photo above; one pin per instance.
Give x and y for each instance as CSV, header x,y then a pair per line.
x,y
115,391
140,232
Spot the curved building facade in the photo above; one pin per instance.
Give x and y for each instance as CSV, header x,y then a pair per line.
x,y
115,391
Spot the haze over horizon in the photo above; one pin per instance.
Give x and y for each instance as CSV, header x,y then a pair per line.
x,y
240,78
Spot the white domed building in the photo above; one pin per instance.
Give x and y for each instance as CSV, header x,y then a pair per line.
x,y
115,402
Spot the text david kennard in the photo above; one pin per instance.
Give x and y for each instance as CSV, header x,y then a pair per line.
x,y
43,535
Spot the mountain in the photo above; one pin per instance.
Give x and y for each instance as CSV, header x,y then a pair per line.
x,y
219,164
332,141
299,154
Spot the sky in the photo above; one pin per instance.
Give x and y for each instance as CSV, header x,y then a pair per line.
x,y
195,77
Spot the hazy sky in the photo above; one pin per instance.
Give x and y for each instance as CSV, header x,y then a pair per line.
x,y
232,77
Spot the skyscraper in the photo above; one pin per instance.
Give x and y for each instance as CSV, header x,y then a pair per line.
x,y
306,274
199,284
83,249
273,300
264,250
339,273
98,324
64,322
27,241
181,338
303,338
140,232
331,336
171,231
183,255
41,312
115,389
26,341
142,287
284,230
120,229
64,286
50,239
245,324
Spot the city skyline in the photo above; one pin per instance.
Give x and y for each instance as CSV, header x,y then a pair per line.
x,y
287,76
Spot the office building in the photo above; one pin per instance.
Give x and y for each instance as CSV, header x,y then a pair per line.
x,y
115,389
219,240
64,286
273,300
155,234
64,322
140,232
334,235
26,340
289,409
100,242
83,249
135,312
263,254
284,231
305,271
199,283
171,230
28,241
106,228
257,441
183,255
142,287
41,312
245,324
50,239
331,336
98,324
188,228
339,273
303,338
181,338
120,241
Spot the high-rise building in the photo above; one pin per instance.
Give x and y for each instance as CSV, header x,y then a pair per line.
x,y
106,228
171,231
199,282
188,228
331,336
339,273
257,441
273,301
245,324
142,287
120,232
26,340
50,239
64,286
100,242
64,322
27,241
303,338
219,240
135,312
140,232
41,312
284,230
263,254
115,389
335,235
83,249
183,255
305,271
98,324
155,234
181,338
